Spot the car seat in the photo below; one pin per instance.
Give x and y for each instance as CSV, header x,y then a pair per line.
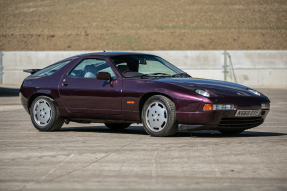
x,y
90,71
123,68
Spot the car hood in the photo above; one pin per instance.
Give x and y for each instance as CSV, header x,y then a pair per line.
x,y
221,88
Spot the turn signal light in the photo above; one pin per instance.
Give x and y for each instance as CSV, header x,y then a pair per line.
x,y
130,102
208,107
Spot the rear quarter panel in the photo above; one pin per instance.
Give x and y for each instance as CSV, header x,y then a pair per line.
x,y
45,85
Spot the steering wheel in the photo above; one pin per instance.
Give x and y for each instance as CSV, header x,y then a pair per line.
x,y
126,71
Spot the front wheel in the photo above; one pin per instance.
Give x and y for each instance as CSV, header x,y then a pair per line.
x,y
45,115
117,126
231,131
159,116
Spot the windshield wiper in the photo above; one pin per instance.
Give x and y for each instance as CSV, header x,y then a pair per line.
x,y
144,76
158,73
184,74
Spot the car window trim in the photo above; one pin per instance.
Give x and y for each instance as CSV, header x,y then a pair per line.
x,y
145,55
92,57
50,66
170,64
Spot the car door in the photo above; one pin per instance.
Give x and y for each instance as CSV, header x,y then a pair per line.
x,y
81,92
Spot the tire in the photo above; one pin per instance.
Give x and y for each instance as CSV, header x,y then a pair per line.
x,y
231,131
45,115
117,126
159,116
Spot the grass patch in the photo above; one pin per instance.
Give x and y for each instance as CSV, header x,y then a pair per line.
x,y
209,27
125,41
127,38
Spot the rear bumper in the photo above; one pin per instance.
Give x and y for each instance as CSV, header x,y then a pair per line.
x,y
24,102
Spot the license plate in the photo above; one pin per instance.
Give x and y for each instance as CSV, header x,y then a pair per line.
x,y
247,113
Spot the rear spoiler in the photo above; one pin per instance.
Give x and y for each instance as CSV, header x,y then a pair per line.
x,y
32,71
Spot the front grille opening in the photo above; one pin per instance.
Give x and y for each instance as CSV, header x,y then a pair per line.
x,y
242,122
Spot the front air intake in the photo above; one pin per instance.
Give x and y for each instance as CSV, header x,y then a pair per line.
x,y
242,122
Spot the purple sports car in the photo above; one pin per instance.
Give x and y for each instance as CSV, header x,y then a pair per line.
x,y
119,88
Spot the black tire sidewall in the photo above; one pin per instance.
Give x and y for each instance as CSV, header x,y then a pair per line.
x,y
170,122
53,118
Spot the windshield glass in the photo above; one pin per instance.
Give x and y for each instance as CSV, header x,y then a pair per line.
x,y
145,64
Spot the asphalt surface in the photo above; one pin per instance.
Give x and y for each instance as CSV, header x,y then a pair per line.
x,y
92,157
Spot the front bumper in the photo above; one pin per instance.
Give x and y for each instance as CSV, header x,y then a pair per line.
x,y
216,120
223,119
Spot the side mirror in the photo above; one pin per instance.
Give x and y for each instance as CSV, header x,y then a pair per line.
x,y
104,76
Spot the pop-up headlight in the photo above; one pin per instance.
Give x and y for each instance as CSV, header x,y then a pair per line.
x,y
203,93
254,92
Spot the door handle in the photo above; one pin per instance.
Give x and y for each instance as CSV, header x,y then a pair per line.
x,y
65,84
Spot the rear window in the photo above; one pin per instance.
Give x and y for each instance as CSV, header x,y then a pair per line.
x,y
51,69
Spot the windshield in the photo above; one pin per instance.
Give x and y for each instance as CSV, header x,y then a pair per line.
x,y
145,64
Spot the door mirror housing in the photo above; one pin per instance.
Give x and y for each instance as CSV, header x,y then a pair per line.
x,y
104,76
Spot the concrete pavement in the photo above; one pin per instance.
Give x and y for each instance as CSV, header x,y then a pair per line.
x,y
91,156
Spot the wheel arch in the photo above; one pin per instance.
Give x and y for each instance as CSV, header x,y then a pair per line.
x,y
34,96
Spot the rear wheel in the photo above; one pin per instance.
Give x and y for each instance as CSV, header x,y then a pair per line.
x,y
159,116
117,126
45,115
231,131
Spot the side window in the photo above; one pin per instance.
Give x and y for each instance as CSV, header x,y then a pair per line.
x,y
89,68
51,69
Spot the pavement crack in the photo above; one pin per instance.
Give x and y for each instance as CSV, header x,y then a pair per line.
x,y
51,171
110,153
114,151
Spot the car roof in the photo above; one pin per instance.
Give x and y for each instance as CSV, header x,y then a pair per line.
x,y
107,54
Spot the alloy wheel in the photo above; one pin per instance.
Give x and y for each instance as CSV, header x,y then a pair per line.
x,y
156,116
42,112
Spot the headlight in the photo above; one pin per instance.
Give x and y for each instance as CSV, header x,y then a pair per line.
x,y
254,92
209,107
265,105
223,106
203,93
